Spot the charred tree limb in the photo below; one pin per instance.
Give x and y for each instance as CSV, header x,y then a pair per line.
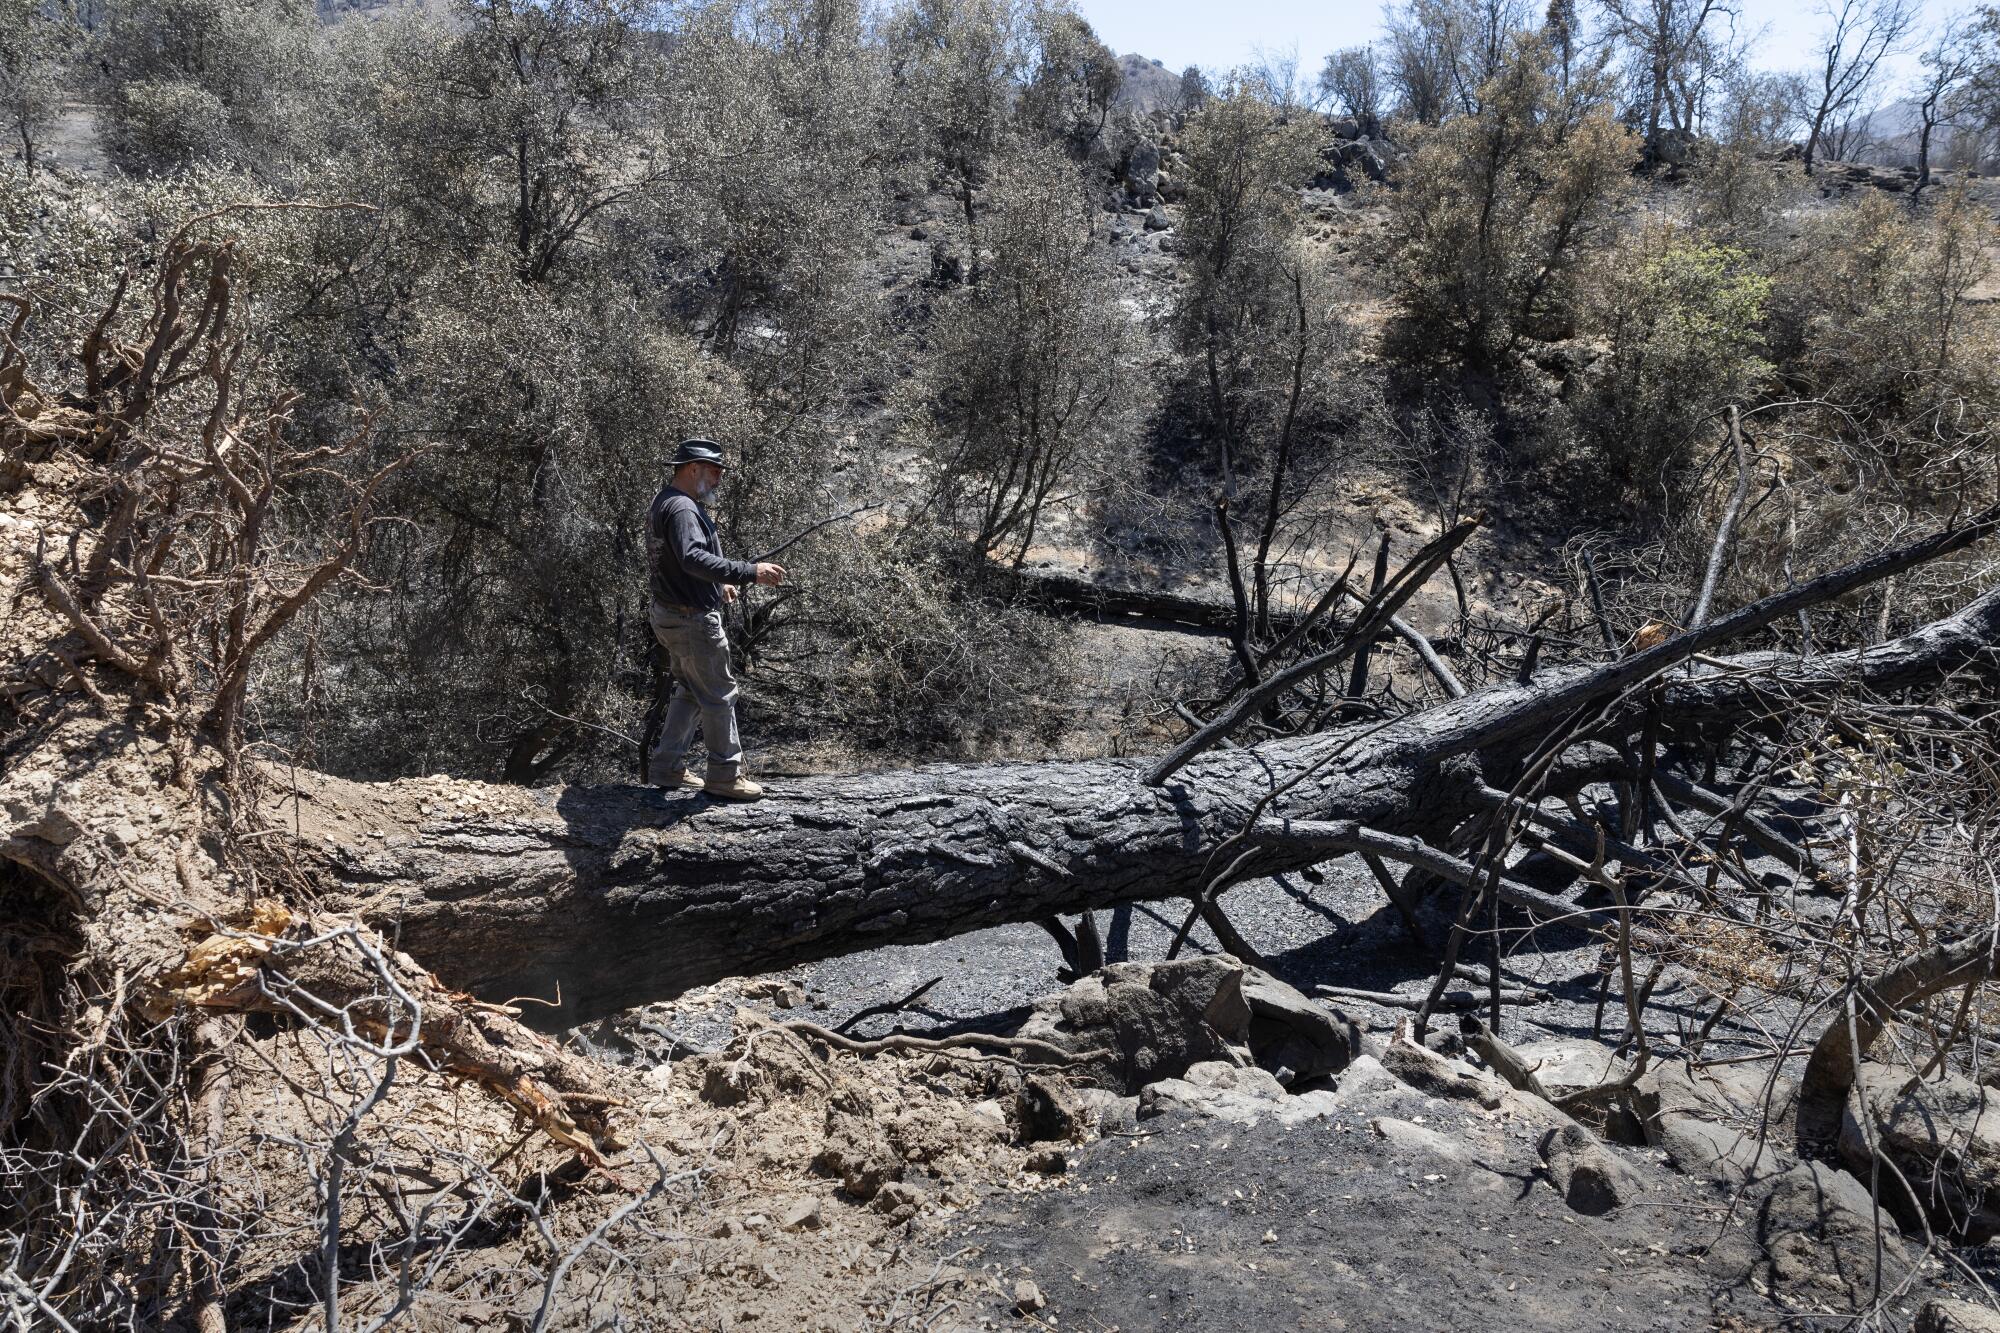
x,y
1737,818
1334,838
1381,606
1103,601
1725,535
1506,714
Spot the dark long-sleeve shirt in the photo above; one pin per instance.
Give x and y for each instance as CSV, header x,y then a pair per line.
x,y
688,566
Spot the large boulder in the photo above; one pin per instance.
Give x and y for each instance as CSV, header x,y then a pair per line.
x,y
1942,1134
1157,1019
1710,1128
1240,1095
1946,1316
1369,156
1567,1065
1673,148
1590,1176
1142,173
1298,1039
1151,1020
1439,1076
1564,1065
1367,1088
1818,1229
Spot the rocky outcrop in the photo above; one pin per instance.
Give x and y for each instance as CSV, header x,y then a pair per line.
x,y
1714,1128
1591,1177
1939,1138
1155,1021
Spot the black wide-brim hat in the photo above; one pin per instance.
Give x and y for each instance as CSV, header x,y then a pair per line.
x,y
699,451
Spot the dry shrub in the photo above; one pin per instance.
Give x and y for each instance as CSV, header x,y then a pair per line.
x,y
921,653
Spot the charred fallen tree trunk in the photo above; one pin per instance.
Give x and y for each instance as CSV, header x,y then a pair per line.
x,y
602,898
1078,594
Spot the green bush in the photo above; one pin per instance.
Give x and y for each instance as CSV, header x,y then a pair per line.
x,y
1498,211
167,124
1679,318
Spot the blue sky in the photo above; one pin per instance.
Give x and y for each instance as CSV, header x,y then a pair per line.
x,y
1179,33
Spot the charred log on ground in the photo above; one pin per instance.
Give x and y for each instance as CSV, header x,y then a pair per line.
x,y
603,898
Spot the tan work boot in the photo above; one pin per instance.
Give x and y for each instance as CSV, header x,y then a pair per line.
x,y
737,788
678,780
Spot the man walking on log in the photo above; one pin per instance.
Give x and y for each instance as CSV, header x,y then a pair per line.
x,y
691,580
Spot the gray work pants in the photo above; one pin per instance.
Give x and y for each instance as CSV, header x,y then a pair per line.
x,y
704,692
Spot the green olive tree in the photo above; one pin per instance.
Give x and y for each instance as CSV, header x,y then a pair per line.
x,y
1679,319
39,48
1027,390
1499,209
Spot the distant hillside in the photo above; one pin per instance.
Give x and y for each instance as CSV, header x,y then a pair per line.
x,y
1891,140
1149,85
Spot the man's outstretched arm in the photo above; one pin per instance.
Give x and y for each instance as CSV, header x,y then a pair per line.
x,y
685,535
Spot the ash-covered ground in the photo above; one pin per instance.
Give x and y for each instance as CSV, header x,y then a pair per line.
x,y
1338,931
1385,1207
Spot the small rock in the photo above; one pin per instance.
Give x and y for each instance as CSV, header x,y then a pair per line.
x,y
1115,1114
802,1216
781,993
1242,1095
858,1152
1224,1077
1051,1109
1564,1065
1028,1297
1047,1162
1156,219
1270,1238
1366,1087
900,1200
